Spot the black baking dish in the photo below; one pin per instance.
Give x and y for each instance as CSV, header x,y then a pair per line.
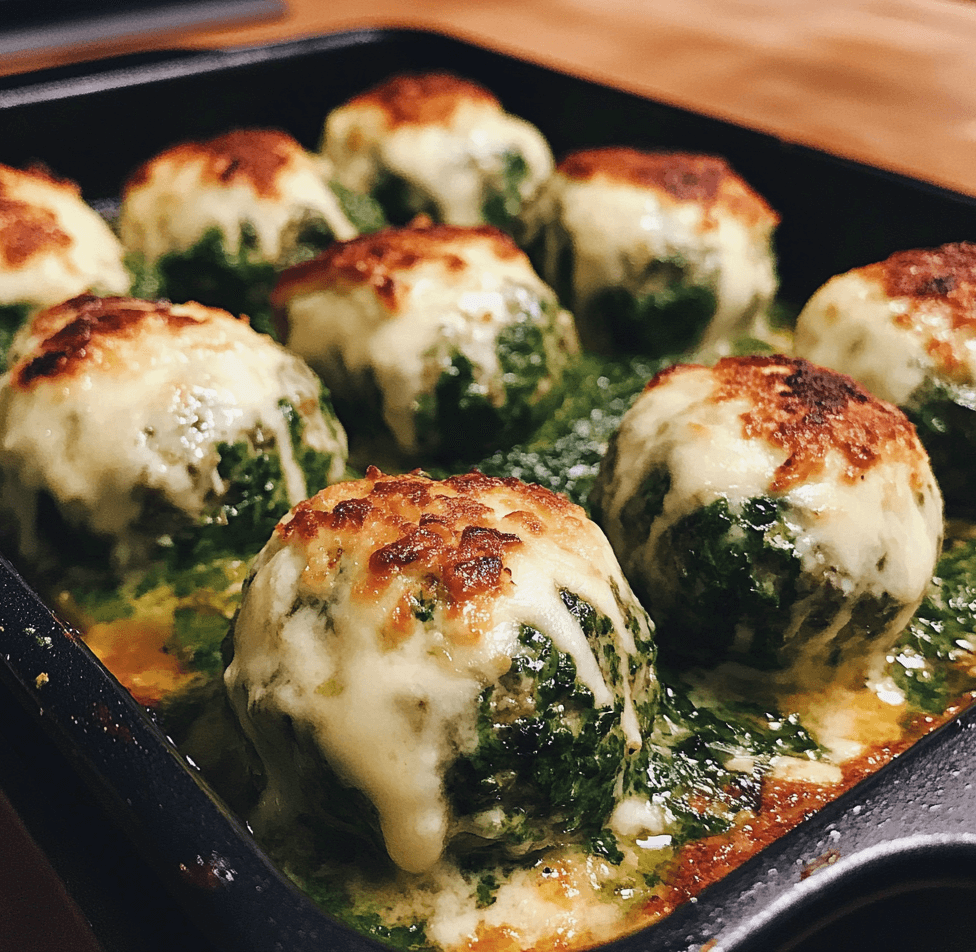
x,y
905,838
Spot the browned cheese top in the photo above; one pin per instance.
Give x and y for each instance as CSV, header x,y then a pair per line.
x,y
679,176
252,156
383,260
110,333
26,227
940,284
454,537
810,412
423,98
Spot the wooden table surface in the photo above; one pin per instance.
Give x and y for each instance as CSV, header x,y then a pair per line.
x,y
890,82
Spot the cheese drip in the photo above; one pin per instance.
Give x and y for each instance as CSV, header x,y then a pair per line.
x,y
391,702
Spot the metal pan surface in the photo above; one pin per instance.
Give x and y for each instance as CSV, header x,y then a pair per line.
x,y
904,839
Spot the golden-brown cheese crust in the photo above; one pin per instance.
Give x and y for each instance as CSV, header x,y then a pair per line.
x,y
255,156
444,533
86,329
941,278
423,98
809,411
26,229
379,259
685,177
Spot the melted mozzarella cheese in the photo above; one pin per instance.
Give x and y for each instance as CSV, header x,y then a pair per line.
x,y
391,717
879,534
144,417
449,162
618,230
350,336
88,259
183,197
851,325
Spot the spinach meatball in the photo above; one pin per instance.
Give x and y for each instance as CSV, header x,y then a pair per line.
x,y
444,334
772,513
905,328
126,423
441,666
52,247
436,144
214,220
654,252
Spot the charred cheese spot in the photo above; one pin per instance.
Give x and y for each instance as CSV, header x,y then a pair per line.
x,y
946,274
390,262
444,334
409,526
253,186
52,245
436,144
116,419
256,157
426,98
26,230
774,514
905,328
653,252
682,176
897,321
809,412
387,619
85,331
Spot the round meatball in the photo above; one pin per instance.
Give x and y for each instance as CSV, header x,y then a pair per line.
x,y
773,513
441,665
656,253
446,334
438,145
905,328
215,218
125,423
52,245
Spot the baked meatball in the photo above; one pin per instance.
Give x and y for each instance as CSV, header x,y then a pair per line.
x,y
773,513
905,328
654,252
440,145
213,220
52,246
441,665
127,423
443,333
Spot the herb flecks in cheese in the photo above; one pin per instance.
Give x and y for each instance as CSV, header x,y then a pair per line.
x,y
773,514
418,640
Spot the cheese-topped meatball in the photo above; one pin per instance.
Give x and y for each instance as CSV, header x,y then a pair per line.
x,y
52,245
439,145
445,332
126,423
653,252
771,512
905,328
449,665
217,216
